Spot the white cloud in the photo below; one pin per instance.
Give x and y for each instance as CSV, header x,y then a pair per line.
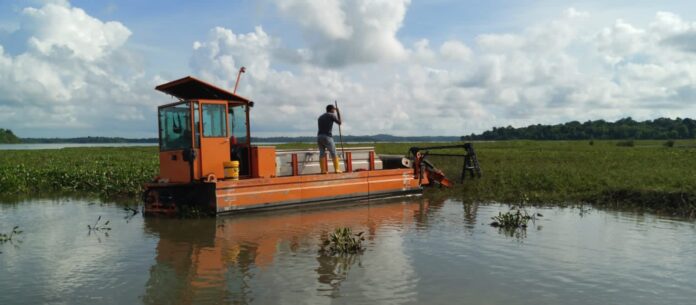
x,y
455,50
346,32
326,17
620,40
76,70
380,98
73,76
553,71
224,52
58,27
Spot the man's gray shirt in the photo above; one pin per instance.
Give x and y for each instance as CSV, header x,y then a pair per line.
x,y
325,122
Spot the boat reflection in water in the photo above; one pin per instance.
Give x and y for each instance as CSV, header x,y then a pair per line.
x,y
274,256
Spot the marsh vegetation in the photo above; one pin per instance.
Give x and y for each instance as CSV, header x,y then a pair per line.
x,y
100,171
649,175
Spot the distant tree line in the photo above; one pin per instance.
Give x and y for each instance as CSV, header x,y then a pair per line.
x,y
311,139
81,140
6,136
626,128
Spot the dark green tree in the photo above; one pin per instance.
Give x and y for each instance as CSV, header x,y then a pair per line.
x,y
7,137
626,128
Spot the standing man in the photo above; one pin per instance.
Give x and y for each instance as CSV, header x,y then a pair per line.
x,y
325,140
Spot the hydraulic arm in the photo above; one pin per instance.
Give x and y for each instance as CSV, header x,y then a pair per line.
x,y
425,167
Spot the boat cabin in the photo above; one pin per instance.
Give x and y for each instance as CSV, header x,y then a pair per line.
x,y
206,127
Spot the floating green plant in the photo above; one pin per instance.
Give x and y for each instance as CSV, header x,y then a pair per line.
x,y
343,241
515,218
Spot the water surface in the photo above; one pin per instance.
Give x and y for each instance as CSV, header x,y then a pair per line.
x,y
418,252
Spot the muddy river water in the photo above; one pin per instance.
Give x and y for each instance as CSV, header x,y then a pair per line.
x,y
418,251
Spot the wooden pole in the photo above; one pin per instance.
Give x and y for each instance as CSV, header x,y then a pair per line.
x,y
340,134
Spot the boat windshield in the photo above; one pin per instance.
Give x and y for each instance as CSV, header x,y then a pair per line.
x,y
175,127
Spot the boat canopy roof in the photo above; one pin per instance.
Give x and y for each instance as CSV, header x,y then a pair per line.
x,y
190,88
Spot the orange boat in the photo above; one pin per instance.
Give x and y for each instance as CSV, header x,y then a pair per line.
x,y
208,127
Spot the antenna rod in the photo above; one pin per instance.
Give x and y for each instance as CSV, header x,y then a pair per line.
x,y
241,70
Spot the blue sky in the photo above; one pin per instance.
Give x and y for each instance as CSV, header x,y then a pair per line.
x,y
78,68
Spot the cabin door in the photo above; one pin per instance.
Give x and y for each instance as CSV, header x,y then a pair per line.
x,y
215,145
176,149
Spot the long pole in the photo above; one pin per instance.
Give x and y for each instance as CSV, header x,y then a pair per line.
x,y
340,134
239,74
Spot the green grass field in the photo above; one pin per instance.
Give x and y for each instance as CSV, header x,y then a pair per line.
x,y
647,175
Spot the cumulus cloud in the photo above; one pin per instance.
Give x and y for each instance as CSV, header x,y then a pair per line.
x,y
379,98
73,76
278,93
558,70
225,52
56,27
346,32
455,50
325,17
76,70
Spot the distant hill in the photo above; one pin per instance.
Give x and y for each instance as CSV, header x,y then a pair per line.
x,y
626,128
7,137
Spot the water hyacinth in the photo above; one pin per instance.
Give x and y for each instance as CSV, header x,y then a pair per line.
x,y
343,241
515,218
100,171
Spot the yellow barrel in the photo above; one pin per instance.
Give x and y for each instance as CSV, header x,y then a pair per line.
x,y
231,170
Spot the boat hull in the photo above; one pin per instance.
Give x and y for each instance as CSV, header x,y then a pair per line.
x,y
232,196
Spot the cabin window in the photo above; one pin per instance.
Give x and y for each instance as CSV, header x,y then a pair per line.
x,y
214,124
175,127
238,123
